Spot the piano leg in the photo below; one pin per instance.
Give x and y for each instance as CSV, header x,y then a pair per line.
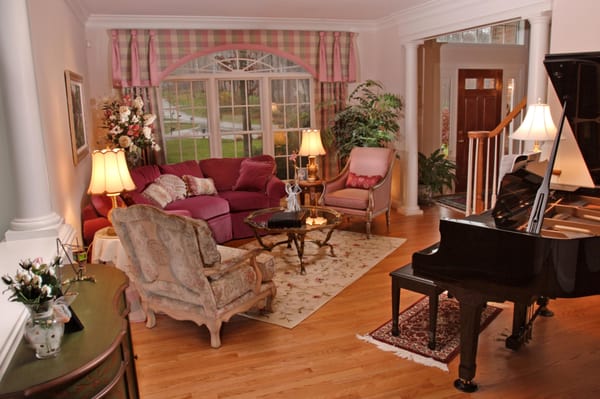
x,y
523,324
543,304
471,306
519,326
395,306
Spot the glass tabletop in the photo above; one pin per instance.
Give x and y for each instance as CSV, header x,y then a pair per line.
x,y
308,218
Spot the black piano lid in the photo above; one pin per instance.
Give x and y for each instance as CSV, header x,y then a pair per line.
x,y
576,79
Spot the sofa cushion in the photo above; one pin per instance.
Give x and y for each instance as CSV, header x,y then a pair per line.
x,y
223,171
199,186
182,168
144,175
352,198
231,286
174,185
245,200
158,194
201,207
360,181
254,175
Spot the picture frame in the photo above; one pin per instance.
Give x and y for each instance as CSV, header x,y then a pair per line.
x,y
75,106
302,174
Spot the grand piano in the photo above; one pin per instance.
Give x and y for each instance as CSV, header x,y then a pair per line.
x,y
494,257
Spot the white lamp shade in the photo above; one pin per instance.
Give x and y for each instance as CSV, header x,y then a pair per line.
x,y
311,143
537,126
110,175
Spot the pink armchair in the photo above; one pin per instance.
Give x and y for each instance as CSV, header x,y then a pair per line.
x,y
177,269
363,187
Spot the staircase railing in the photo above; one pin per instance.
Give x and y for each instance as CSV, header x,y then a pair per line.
x,y
486,149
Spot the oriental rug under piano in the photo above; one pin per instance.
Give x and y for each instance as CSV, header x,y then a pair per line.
x,y
412,341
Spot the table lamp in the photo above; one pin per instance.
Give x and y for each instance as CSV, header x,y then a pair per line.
x,y
311,146
537,126
110,176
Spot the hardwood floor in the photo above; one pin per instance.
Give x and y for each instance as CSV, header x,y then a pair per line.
x,y
322,358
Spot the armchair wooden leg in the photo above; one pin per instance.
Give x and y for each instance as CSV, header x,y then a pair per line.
x,y
150,317
215,333
387,219
368,229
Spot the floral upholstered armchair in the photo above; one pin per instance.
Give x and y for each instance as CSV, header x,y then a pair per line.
x,y
363,187
177,269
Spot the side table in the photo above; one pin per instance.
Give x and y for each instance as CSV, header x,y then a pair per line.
x,y
312,188
96,362
107,248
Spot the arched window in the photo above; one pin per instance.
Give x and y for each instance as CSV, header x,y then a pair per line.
x,y
236,103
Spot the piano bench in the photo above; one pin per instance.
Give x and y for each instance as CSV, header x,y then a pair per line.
x,y
404,278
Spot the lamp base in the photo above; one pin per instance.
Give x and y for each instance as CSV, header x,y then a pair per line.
x,y
312,168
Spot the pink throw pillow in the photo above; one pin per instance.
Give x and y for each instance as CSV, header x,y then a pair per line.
x,y
254,176
365,182
199,186
158,194
173,184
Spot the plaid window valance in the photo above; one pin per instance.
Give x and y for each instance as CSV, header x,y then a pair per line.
x,y
146,57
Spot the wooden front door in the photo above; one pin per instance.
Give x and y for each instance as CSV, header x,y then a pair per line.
x,y
479,108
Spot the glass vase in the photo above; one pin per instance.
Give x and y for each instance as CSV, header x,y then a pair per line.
x,y
44,332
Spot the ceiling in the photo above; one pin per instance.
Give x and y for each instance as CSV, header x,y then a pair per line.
x,y
358,10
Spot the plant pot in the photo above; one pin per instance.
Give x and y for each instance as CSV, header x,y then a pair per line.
x,y
425,195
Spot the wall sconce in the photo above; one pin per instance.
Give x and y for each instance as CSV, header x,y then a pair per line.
x,y
537,126
110,176
312,147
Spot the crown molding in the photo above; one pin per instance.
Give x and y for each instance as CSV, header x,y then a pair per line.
x,y
428,19
193,22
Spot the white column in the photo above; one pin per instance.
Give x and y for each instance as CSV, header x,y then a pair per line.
x,y
34,216
410,204
538,48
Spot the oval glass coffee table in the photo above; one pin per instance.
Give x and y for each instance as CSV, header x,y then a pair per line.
x,y
309,218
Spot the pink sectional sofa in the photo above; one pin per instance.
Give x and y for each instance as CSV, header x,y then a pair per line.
x,y
222,191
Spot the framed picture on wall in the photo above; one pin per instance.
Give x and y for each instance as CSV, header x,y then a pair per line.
x,y
74,86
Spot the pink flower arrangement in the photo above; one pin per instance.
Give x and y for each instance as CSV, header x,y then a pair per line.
x,y
128,126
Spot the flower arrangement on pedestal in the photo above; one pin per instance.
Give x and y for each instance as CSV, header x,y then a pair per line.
x,y
129,127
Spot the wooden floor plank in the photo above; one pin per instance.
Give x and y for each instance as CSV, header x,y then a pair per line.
x,y
322,357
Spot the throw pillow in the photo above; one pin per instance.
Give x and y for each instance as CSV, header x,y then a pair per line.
x,y
158,194
254,176
174,185
199,186
358,181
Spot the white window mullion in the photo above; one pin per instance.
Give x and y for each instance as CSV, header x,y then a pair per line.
x,y
265,106
216,150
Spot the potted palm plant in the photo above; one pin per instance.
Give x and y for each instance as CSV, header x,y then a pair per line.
x,y
369,120
436,172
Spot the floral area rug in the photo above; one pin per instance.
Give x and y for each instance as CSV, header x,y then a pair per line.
x,y
413,323
299,296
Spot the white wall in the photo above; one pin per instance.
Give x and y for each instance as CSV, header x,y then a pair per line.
x,y
575,26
